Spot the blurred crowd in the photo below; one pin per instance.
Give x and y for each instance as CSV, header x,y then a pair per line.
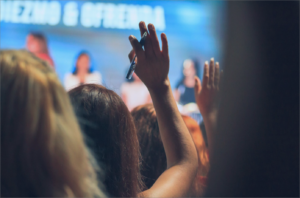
x,y
133,92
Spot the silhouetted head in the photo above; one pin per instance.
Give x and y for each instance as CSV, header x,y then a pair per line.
x,y
36,42
111,135
82,63
190,68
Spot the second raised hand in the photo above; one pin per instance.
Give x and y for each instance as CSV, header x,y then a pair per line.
x,y
152,63
206,94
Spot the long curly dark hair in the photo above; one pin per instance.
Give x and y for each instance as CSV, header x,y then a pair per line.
x,y
111,135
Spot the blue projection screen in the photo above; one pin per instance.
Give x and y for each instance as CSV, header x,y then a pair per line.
x,y
194,30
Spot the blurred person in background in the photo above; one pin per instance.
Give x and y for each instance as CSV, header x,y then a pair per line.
x,y
203,168
184,92
106,121
83,72
42,150
36,43
154,161
135,93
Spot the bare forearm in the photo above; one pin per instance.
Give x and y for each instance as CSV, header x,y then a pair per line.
x,y
210,122
177,141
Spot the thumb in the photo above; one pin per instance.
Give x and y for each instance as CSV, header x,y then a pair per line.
x,y
131,55
137,47
197,87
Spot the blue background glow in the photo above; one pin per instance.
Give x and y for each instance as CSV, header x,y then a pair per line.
x,y
194,30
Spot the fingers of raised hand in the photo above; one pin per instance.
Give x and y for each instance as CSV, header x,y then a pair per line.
x,y
148,44
143,28
211,72
205,75
165,47
154,40
217,75
137,47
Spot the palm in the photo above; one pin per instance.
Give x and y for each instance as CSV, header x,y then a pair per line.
x,y
206,100
153,71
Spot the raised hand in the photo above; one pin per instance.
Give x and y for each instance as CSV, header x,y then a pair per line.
x,y
152,63
206,95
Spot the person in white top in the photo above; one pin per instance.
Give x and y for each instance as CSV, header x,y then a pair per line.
x,y
82,74
135,93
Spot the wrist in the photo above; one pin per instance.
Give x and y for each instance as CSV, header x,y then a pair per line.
x,y
210,117
160,88
208,110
